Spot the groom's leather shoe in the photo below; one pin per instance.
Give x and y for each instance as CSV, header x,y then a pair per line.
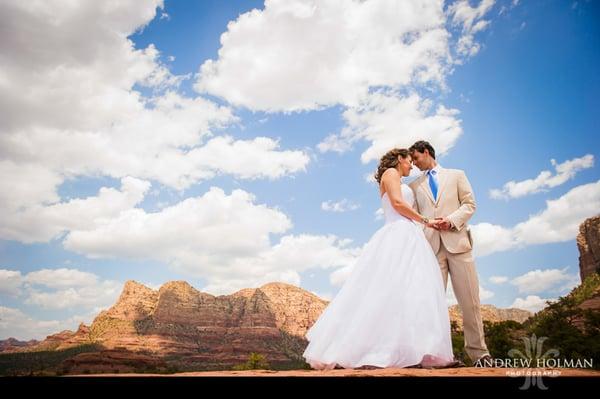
x,y
455,364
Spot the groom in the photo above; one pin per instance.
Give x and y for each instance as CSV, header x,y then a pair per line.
x,y
446,195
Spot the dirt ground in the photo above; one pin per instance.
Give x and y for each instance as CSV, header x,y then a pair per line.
x,y
387,372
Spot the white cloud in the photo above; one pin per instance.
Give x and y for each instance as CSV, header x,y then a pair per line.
x,y
484,294
471,22
489,238
505,8
328,296
338,276
303,54
379,215
536,281
283,262
247,159
54,289
498,279
225,239
41,223
450,297
213,224
73,65
388,120
26,184
71,106
369,178
103,294
344,205
532,303
545,180
60,288
61,278
153,286
462,12
561,219
306,55
559,222
14,323
162,143
305,251
10,282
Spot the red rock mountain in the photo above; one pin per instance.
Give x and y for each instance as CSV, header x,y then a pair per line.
x,y
588,242
179,327
491,313
195,330
14,345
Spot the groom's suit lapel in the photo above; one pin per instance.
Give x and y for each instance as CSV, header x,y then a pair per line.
x,y
442,180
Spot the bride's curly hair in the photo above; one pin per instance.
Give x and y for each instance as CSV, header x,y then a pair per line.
x,y
390,160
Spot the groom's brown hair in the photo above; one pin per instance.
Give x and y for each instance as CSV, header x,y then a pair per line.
x,y
421,146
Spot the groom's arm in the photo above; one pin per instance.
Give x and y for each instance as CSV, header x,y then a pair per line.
x,y
461,216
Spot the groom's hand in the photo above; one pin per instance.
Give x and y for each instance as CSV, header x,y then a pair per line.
x,y
443,224
433,224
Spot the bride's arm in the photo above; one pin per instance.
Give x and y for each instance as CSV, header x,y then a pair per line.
x,y
391,182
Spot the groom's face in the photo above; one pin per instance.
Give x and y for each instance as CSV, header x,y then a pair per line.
x,y
421,159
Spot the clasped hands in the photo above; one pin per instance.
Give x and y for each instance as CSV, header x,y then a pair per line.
x,y
440,224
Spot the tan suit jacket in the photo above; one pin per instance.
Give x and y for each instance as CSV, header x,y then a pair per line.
x,y
455,201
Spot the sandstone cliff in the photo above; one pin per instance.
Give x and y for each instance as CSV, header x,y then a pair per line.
x,y
14,345
588,242
196,329
180,327
492,314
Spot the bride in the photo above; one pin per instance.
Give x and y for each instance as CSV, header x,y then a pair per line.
x,y
391,311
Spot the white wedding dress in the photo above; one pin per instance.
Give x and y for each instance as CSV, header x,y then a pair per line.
x,y
391,311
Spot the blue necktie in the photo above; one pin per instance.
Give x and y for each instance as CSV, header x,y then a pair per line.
x,y
433,183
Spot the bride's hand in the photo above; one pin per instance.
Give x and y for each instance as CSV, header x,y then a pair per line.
x,y
433,225
443,223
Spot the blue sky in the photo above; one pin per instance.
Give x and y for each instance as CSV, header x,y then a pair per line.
x,y
217,172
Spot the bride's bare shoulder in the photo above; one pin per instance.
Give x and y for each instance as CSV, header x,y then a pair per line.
x,y
391,172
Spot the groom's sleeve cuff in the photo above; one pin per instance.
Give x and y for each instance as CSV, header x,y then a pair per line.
x,y
452,224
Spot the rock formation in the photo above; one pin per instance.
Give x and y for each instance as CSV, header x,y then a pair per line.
x,y
588,242
181,328
491,313
193,329
14,345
